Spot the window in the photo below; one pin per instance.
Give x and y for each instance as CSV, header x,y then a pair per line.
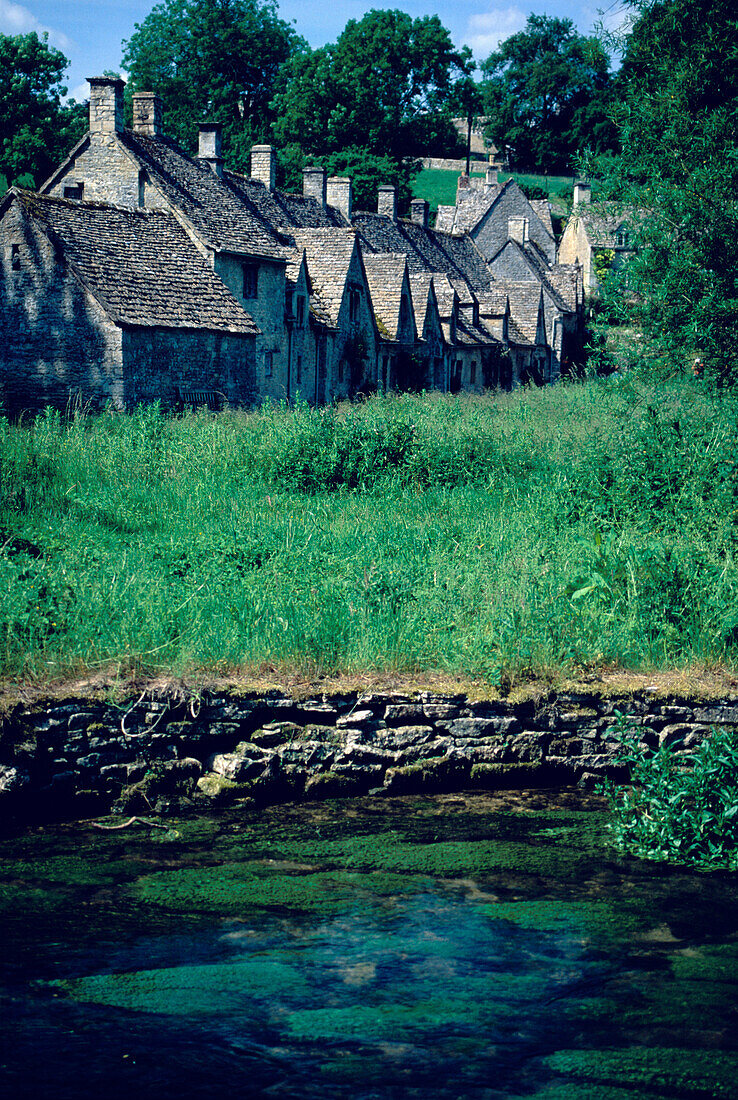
x,y
354,299
300,310
289,293
268,356
15,260
74,190
621,238
473,372
250,280
142,188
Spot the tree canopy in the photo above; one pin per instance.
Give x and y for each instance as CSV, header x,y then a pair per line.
x,y
383,91
678,174
548,91
37,128
214,60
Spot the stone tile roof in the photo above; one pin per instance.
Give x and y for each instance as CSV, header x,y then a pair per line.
x,y
566,278
220,210
445,295
493,302
329,253
542,208
472,205
140,265
445,218
525,302
385,273
279,209
420,292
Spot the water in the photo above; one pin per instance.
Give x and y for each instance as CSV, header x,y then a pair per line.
x,y
444,947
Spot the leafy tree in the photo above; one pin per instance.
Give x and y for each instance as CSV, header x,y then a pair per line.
x,y
37,128
547,91
383,92
678,174
216,60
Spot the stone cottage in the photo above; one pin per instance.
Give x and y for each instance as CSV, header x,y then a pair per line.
x,y
106,305
595,231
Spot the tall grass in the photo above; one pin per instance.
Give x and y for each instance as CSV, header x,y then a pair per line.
x,y
498,536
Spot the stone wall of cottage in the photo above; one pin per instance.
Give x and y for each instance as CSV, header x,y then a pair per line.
x,y
109,174
171,753
56,343
172,365
352,338
492,232
574,248
302,346
268,310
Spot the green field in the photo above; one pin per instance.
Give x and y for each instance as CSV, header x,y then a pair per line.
x,y
438,185
585,526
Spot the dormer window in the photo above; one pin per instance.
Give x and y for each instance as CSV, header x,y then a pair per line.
x,y
15,260
250,280
74,190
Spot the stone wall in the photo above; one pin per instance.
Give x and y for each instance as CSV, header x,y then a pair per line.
x,y
161,364
167,753
56,343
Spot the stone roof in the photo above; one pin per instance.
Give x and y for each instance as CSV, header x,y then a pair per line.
x,y
220,210
328,253
140,265
445,295
278,208
493,302
525,302
385,273
602,221
542,208
421,288
471,206
566,278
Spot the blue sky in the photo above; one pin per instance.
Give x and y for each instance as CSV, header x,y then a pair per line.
x,y
90,32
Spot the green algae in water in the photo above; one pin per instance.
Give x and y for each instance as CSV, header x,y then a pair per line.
x,y
581,919
666,1071
192,990
235,888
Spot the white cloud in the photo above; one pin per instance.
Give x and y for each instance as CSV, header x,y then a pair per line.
x,y
485,31
15,19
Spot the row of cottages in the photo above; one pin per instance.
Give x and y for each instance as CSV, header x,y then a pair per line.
x,y
140,273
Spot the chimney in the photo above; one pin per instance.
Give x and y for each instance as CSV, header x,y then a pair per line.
x,y
106,104
419,212
264,165
340,194
517,230
313,184
210,138
491,176
387,200
582,193
147,114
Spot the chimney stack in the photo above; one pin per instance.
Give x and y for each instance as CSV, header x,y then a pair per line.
x,y
106,104
209,146
517,230
314,185
419,209
147,114
340,194
582,193
387,200
491,176
264,165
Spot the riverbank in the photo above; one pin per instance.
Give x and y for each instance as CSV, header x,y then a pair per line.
x,y
167,750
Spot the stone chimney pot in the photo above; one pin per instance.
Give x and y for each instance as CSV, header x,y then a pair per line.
x,y
314,184
209,145
148,110
264,165
517,230
419,211
387,200
340,194
106,104
582,193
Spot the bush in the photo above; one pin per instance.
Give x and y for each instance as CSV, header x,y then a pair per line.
x,y
678,808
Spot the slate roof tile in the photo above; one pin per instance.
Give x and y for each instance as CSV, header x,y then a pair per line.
x,y
140,265
385,273
329,253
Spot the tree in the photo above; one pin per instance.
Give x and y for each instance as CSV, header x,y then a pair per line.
x,y
214,60
678,174
382,91
547,91
37,128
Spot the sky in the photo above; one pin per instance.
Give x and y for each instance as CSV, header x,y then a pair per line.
x,y
89,32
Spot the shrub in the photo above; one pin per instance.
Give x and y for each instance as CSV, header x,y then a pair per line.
x,y
678,808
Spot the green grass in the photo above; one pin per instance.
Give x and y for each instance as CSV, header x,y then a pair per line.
x,y
501,536
438,185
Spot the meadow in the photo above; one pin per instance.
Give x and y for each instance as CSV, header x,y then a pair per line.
x,y
587,526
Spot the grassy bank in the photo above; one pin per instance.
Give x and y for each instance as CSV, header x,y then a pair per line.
x,y
589,526
438,185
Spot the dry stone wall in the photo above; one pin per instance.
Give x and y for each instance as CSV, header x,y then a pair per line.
x,y
165,754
